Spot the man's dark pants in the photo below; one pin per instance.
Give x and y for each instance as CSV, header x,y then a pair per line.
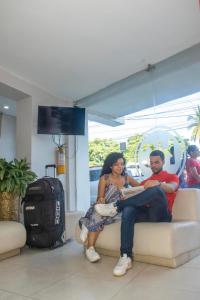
x,y
148,206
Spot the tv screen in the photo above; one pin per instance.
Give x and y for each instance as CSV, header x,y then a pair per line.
x,y
61,120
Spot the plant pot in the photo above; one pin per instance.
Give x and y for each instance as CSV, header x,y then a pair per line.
x,y
9,207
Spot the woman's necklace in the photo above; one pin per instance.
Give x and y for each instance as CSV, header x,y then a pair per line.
x,y
117,180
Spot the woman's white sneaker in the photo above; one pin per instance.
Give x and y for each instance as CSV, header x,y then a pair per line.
x,y
92,255
123,265
106,210
84,233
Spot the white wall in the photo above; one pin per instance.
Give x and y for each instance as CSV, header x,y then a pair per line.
x,y
40,150
42,144
8,137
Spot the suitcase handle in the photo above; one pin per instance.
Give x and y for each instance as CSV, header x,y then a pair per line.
x,y
50,166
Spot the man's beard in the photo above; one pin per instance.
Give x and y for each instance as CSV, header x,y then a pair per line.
x,y
158,171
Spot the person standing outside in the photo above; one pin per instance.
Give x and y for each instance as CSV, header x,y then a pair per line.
x,y
193,167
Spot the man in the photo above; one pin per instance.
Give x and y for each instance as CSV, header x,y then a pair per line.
x,y
152,205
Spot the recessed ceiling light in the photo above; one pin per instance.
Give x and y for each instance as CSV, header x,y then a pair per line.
x,y
6,107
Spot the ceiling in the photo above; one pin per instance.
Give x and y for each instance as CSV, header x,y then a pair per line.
x,y
75,48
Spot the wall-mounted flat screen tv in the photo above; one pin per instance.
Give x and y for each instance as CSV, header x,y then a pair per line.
x,y
61,120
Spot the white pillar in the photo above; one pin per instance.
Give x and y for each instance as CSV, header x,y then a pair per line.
x,y
71,196
78,185
82,170
24,129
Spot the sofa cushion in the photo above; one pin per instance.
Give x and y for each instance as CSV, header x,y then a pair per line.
x,y
12,236
166,239
187,205
71,219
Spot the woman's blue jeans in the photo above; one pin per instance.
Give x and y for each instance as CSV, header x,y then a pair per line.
x,y
148,206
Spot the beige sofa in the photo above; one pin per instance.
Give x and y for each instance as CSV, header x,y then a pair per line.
x,y
167,244
12,238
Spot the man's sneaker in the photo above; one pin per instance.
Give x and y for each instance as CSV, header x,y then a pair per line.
x,y
106,210
123,265
92,255
83,234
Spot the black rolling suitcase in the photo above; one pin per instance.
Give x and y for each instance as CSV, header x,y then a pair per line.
x,y
44,212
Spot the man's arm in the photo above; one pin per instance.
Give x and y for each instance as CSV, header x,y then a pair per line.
x,y
167,187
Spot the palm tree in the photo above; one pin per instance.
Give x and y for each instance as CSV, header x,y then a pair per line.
x,y
195,124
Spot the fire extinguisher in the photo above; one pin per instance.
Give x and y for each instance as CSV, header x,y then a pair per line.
x,y
60,160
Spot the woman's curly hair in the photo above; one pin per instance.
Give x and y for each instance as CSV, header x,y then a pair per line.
x,y
109,162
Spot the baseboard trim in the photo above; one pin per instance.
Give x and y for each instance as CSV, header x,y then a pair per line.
x,y
9,254
173,262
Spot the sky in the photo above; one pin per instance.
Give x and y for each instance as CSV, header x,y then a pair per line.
x,y
173,114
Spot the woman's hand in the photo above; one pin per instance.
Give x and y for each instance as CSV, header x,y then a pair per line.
x,y
100,200
122,197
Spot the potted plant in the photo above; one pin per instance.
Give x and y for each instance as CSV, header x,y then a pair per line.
x,y
14,178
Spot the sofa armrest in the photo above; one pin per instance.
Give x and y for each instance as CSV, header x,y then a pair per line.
x,y
187,205
71,220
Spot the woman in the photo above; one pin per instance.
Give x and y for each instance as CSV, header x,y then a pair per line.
x,y
112,179
193,167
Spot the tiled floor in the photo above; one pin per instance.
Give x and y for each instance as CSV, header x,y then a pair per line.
x,y
64,273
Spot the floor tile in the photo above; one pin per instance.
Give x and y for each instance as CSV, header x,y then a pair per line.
x,y
71,259
141,292
10,296
105,267
25,280
194,263
79,287
179,278
66,273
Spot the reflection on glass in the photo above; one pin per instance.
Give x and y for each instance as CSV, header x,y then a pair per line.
x,y
169,142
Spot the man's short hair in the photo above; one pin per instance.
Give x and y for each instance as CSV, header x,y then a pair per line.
x,y
192,148
158,153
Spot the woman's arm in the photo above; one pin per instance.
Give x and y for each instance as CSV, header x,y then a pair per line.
x,y
101,190
132,181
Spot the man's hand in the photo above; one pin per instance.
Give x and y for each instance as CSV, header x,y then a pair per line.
x,y
170,187
151,183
